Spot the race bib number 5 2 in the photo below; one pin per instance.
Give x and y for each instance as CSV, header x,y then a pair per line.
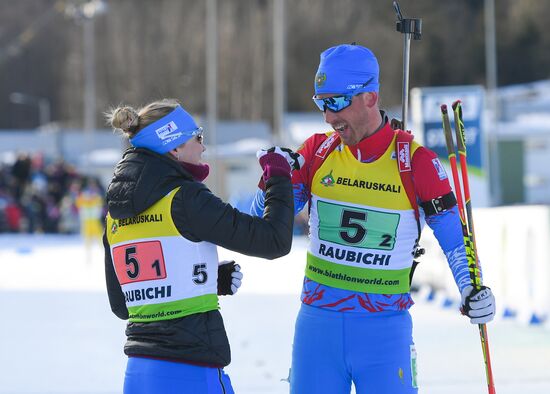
x,y
358,227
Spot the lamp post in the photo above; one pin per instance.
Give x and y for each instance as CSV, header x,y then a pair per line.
x,y
491,75
279,78
212,89
85,14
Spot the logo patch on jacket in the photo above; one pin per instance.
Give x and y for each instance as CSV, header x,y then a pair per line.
x,y
325,146
404,155
441,173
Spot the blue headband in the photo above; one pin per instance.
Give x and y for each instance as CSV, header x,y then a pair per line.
x,y
167,133
347,68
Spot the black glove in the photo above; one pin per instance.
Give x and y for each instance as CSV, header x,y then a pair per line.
x,y
229,277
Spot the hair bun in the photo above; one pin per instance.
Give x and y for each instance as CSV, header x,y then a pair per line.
x,y
125,119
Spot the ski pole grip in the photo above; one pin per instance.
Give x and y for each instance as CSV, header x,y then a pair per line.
x,y
448,133
459,127
411,26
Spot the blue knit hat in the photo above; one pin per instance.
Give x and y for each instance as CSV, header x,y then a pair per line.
x,y
347,68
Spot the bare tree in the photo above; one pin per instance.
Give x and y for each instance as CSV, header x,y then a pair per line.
x,y
147,50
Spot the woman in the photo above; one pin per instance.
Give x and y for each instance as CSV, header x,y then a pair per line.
x,y
161,262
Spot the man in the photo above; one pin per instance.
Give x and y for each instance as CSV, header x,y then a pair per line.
x,y
369,196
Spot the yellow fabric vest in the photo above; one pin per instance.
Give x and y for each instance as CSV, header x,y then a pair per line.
x,y
362,225
162,274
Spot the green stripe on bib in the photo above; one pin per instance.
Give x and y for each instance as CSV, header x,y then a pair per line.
x,y
170,310
357,279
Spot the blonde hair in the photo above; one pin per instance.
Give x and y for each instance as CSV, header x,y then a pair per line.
x,y
130,121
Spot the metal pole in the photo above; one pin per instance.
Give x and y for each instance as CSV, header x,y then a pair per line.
x,y
491,75
406,61
279,80
212,87
490,46
44,111
89,85
410,28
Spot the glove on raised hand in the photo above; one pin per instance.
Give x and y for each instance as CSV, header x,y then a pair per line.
x,y
229,277
277,161
478,305
294,160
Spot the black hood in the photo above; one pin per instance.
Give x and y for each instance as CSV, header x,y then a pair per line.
x,y
141,178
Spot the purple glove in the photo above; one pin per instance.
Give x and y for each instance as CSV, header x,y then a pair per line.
x,y
278,161
274,164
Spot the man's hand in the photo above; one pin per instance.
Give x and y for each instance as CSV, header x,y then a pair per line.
x,y
478,305
229,277
277,161
294,160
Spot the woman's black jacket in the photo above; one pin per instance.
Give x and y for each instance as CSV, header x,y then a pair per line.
x,y
142,178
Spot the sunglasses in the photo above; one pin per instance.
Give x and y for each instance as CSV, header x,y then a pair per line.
x,y
340,102
334,103
198,134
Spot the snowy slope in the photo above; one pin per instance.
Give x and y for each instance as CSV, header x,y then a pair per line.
x,y
59,336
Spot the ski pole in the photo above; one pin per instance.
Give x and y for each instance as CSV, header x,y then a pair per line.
x,y
408,27
461,145
452,160
469,240
470,252
466,202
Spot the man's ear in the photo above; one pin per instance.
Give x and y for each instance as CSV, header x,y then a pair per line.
x,y
370,99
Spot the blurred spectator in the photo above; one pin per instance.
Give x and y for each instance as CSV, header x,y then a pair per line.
x,y
90,207
69,221
41,197
59,175
21,171
10,213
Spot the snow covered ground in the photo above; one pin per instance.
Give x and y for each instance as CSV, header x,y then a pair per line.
x,y
57,334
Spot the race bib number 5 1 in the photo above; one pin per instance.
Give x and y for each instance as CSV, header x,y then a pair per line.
x,y
139,261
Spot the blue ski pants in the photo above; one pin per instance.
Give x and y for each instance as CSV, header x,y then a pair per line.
x,y
148,376
332,349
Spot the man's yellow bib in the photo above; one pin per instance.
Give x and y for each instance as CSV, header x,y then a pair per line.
x,y
363,228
